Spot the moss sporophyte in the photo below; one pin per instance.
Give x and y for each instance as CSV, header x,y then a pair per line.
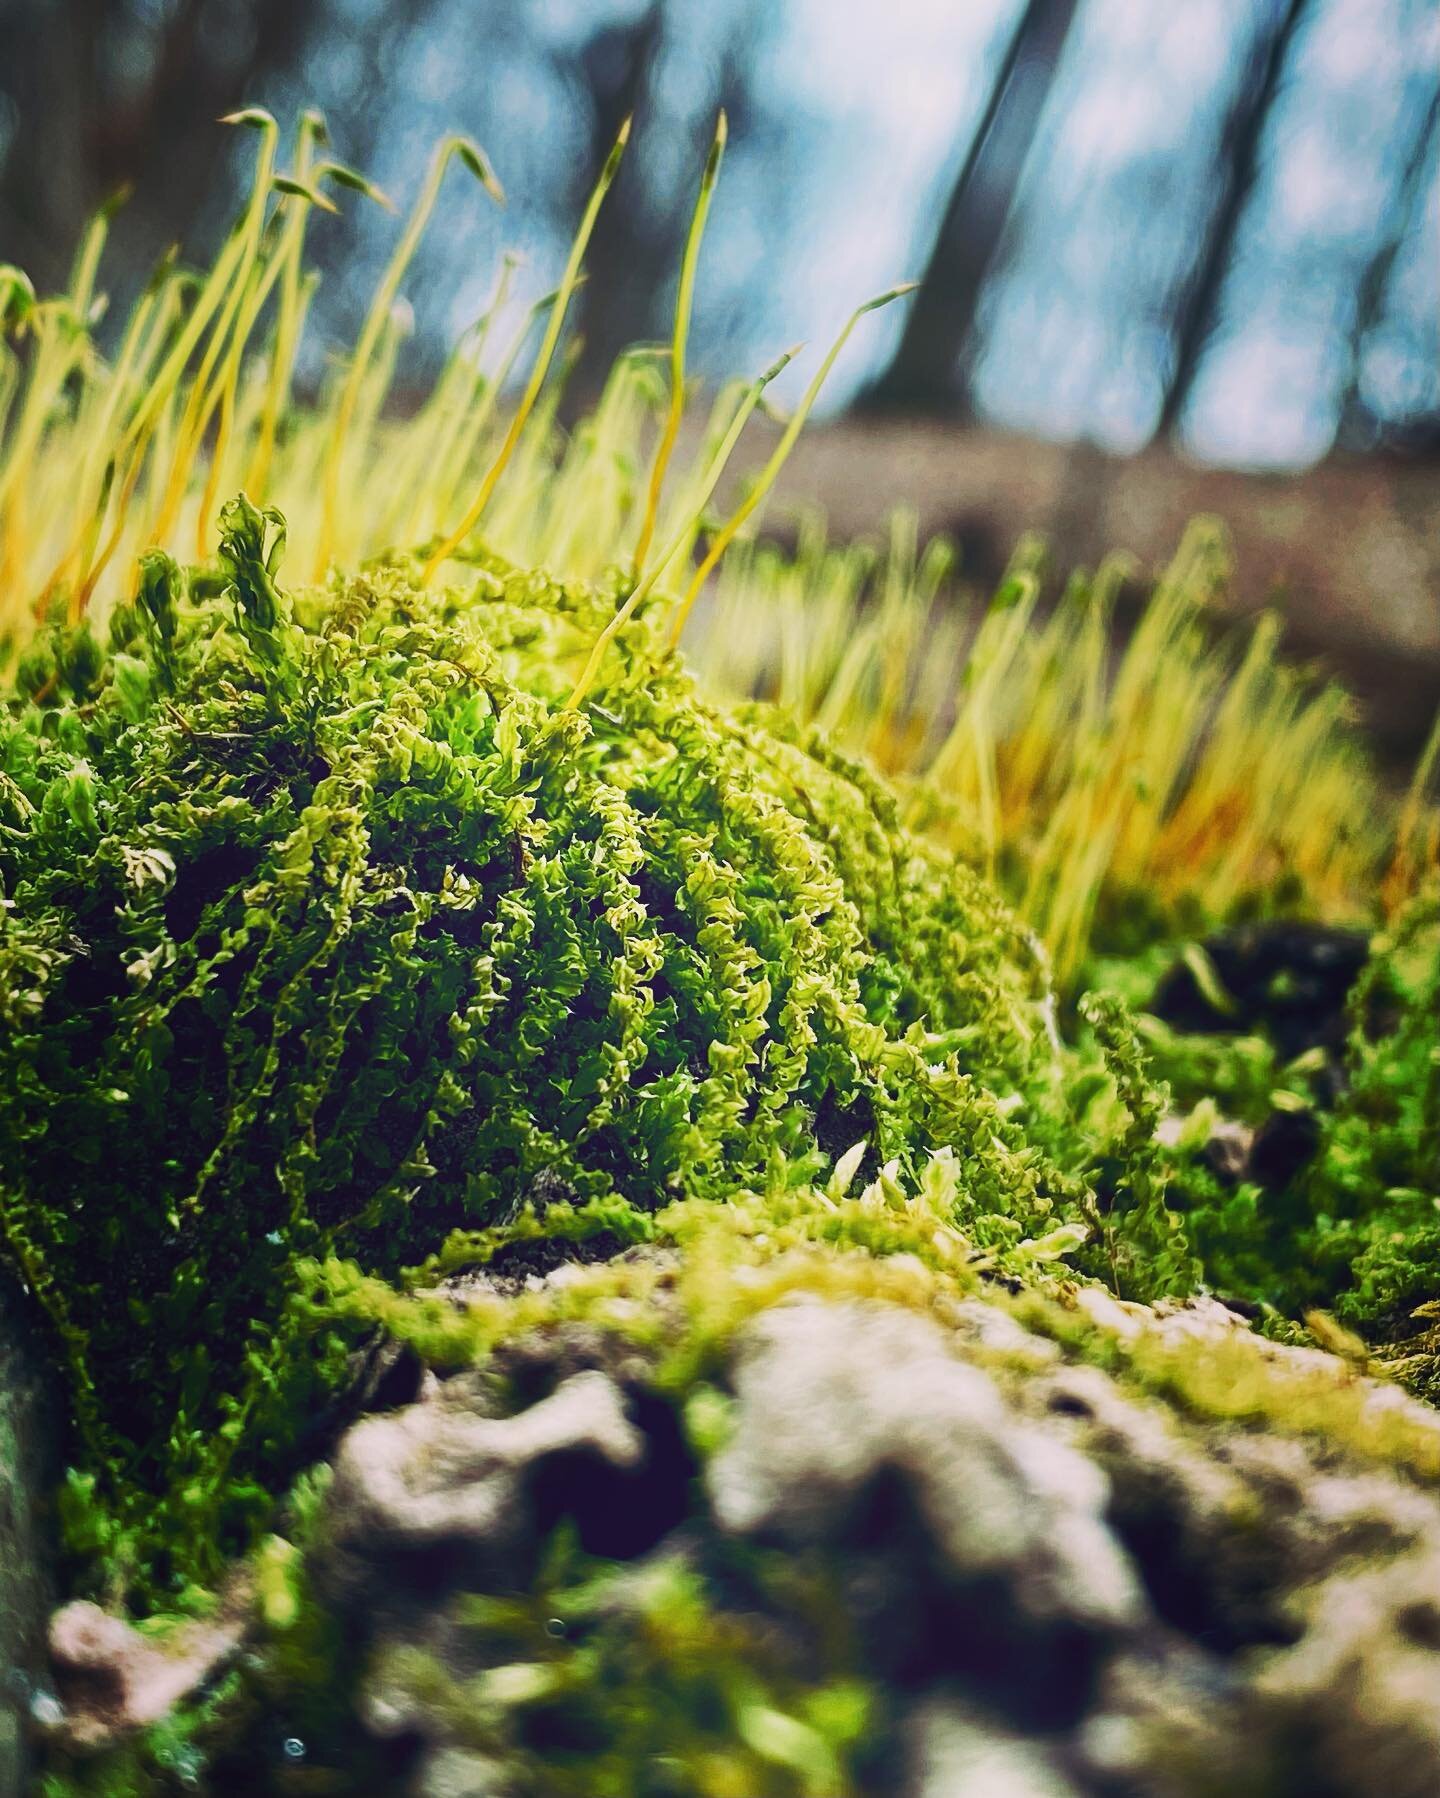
x,y
383,888
1173,773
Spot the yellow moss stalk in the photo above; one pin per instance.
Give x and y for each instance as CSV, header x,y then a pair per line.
x,y
778,457
568,282
341,438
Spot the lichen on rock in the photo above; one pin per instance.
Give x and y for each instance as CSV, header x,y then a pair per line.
x,y
914,1548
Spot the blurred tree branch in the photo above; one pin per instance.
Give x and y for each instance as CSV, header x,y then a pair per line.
x,y
104,98
925,373
1238,166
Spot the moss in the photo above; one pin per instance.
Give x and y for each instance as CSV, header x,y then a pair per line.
x,y
331,928
732,1672
1354,1226
345,952
711,1269
334,932
607,1680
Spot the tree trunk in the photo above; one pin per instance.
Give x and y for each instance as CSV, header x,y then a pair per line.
x,y
1239,166
924,376
626,260
1356,425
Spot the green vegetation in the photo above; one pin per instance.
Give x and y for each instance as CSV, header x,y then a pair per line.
x,y
1357,1227
361,931
334,929
620,1682
717,1670
1122,780
1122,785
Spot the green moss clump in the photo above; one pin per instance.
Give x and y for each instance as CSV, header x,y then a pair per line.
x,y
1356,1227
1374,1193
329,929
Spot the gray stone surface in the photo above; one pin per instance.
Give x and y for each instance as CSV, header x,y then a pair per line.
x,y
1057,1587
113,1680
950,1753
440,1478
1061,1588
831,1396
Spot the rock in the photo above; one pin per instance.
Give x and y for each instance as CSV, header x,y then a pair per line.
x,y
1361,1687
832,1397
1351,1709
1056,1584
1227,1153
112,1680
1208,1320
457,1773
1284,1144
438,1481
29,1466
953,1754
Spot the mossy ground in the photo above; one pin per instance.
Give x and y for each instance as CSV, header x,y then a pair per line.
x,y
359,931
342,955
731,1671
334,931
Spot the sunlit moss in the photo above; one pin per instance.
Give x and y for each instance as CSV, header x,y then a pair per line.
x,y
333,927
360,934
1120,783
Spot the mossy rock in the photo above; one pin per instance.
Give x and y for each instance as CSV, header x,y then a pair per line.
x,y
332,929
731,1517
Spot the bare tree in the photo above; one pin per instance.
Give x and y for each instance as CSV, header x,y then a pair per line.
x,y
80,132
1238,167
1356,424
626,260
925,373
